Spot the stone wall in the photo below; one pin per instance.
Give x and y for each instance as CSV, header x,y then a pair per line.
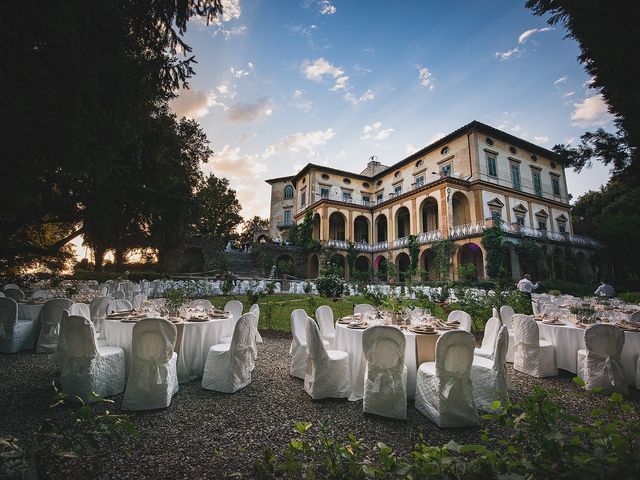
x,y
267,255
196,255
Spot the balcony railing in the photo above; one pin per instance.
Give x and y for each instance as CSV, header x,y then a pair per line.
x,y
284,224
515,229
467,229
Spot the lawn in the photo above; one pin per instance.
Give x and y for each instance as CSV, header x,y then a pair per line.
x,y
275,310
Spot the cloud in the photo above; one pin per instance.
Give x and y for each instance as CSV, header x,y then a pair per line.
x,y
233,32
320,68
326,8
360,70
194,103
437,136
242,72
248,112
299,141
365,97
560,80
568,94
591,112
230,161
541,139
589,82
298,100
425,77
376,132
409,149
511,53
341,83
526,34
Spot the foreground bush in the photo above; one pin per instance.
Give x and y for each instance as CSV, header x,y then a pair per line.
x,y
535,446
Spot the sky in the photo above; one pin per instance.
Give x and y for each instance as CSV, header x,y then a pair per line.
x,y
281,83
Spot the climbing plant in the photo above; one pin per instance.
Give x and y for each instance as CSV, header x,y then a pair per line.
x,y
414,255
442,249
529,252
352,255
493,243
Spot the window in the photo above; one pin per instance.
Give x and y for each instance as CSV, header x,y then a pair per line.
x,y
513,150
444,150
515,176
446,170
397,189
419,163
555,184
542,224
537,182
419,181
365,185
303,198
288,192
325,176
324,193
287,216
379,197
366,199
397,174
346,196
492,169
520,220
496,215
489,141
562,227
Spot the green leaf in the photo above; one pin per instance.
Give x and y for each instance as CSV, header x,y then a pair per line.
x,y
580,382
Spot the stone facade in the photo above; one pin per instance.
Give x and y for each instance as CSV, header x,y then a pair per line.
x,y
194,256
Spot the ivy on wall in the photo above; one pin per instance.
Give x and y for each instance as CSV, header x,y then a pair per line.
x,y
442,249
414,255
493,243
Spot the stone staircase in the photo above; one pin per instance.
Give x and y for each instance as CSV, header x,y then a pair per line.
x,y
241,264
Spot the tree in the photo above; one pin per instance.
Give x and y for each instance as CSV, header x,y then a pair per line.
x,y
256,224
218,209
608,36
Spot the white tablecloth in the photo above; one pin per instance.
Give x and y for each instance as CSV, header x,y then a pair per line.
x,y
568,339
29,311
197,338
350,340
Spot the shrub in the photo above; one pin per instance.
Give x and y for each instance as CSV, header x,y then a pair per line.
x,y
467,271
530,444
330,285
630,297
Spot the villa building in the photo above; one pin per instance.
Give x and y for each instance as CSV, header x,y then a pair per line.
x,y
455,188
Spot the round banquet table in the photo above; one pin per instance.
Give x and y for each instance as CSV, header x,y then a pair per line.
x,y
567,339
350,340
29,311
193,343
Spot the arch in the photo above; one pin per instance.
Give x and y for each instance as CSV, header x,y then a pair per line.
x,y
429,215
471,253
380,266
337,226
511,261
362,267
428,265
284,265
340,261
316,227
559,263
584,266
403,219
403,264
461,210
381,228
192,260
288,192
262,239
314,266
361,229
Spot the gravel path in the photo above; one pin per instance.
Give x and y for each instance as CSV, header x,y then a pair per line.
x,y
209,434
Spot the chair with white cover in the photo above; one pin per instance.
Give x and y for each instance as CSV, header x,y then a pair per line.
x,y
138,300
15,335
153,376
11,285
444,392
49,320
81,310
119,305
532,356
298,348
495,313
489,377
327,371
491,330
506,314
463,319
15,293
228,365
235,308
118,294
635,317
364,308
39,294
385,377
201,303
324,316
600,365
85,367
98,310
255,309
2,295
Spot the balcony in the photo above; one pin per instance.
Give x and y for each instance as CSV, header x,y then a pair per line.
x,y
469,229
285,224
521,230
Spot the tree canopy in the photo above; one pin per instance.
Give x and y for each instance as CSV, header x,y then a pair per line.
x,y
91,144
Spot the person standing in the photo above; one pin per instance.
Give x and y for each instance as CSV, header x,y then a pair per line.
x,y
605,290
526,285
